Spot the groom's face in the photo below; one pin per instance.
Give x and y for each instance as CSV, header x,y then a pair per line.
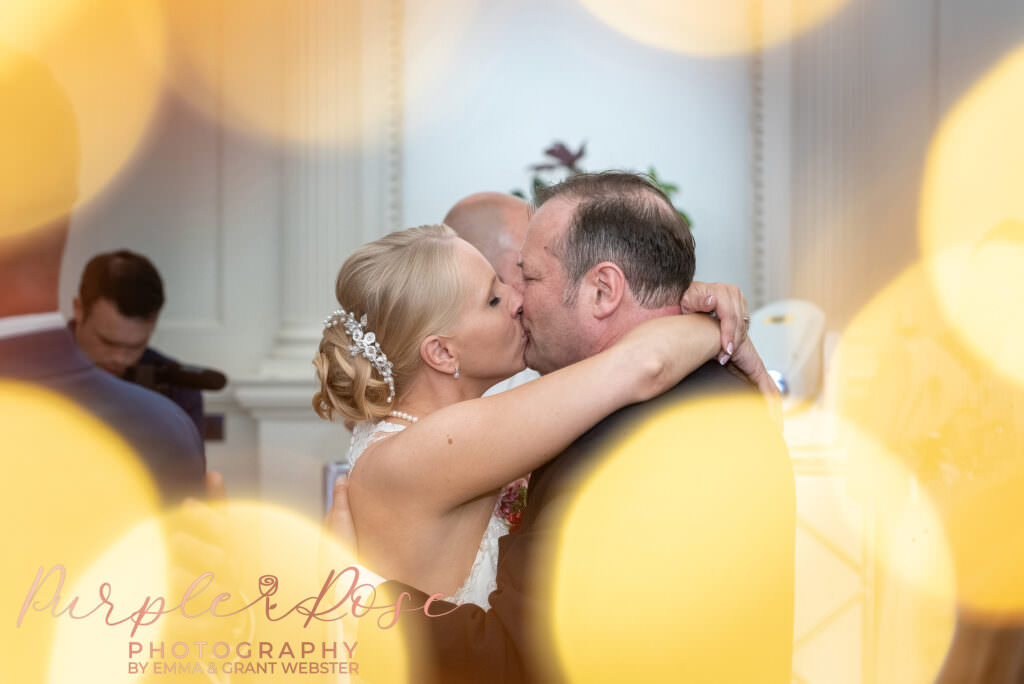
x,y
555,330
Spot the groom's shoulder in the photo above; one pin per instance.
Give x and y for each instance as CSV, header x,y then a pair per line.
x,y
711,378
709,381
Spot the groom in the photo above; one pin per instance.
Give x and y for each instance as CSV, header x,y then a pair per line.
x,y
605,252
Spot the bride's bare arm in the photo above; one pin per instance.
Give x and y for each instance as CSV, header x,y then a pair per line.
x,y
471,448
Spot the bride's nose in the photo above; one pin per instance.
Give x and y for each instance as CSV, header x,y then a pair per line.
x,y
515,298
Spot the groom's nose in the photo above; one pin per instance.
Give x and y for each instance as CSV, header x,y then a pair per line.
x,y
516,282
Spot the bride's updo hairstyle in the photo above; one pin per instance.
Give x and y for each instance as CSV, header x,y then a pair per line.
x,y
407,283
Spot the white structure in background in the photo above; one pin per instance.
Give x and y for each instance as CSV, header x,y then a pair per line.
x,y
790,334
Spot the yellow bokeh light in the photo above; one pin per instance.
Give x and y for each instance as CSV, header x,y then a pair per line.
x,y
913,543
914,570
712,28
107,56
40,139
973,175
678,554
943,428
135,566
72,488
265,557
972,215
439,60
27,22
243,544
80,500
272,68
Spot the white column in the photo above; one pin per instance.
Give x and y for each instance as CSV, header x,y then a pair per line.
x,y
321,189
339,189
771,97
841,118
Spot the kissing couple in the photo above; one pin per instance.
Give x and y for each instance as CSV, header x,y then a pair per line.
x,y
426,327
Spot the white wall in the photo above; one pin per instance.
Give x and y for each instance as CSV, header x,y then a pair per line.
x,y
863,96
489,85
203,204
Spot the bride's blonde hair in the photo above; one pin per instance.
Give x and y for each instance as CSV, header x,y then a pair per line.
x,y
408,285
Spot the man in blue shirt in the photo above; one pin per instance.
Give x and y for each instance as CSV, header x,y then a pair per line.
x,y
116,311
39,169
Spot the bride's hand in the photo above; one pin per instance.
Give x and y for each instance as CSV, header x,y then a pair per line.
x,y
338,522
728,303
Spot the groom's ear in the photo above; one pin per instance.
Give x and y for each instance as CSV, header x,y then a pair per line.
x,y
436,352
603,289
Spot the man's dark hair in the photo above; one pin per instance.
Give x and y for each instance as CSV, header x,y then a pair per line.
x,y
625,219
126,278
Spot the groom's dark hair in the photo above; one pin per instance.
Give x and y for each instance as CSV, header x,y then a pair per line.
x,y
626,219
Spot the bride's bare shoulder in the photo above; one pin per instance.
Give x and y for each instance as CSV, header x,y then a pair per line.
x,y
376,452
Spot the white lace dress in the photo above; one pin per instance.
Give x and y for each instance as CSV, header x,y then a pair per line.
x,y
481,580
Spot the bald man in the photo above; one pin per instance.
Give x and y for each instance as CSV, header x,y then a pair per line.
x,y
494,223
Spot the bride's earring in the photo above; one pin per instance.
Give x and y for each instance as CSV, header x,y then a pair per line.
x,y
456,372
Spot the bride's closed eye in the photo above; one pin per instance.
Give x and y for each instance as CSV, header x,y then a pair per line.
x,y
494,301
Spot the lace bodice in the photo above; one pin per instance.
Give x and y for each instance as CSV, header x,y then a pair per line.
x,y
481,580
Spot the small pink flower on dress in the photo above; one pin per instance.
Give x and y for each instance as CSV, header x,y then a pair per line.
x,y
512,503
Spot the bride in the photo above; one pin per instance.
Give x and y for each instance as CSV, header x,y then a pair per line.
x,y
425,327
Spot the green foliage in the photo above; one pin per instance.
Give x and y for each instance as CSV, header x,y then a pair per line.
x,y
562,162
